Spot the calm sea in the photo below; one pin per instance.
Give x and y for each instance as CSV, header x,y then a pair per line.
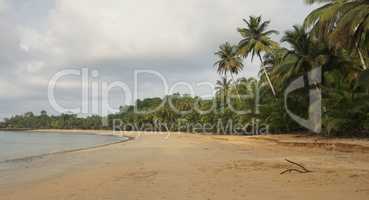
x,y
19,145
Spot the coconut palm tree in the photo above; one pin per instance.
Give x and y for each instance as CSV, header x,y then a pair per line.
x,y
344,22
249,87
256,41
223,87
278,67
229,60
273,58
304,52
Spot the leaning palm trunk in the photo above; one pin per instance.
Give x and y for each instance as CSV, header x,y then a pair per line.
x,y
362,59
267,76
270,83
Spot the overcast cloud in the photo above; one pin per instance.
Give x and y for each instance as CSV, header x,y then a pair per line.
x,y
174,37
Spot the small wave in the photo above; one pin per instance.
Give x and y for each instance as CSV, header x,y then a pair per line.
x,y
40,156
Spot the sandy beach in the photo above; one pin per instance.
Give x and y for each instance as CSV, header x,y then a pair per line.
x,y
197,167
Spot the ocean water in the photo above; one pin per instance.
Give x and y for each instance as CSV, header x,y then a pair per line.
x,y
21,145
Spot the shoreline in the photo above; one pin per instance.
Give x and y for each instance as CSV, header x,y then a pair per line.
x,y
77,132
292,139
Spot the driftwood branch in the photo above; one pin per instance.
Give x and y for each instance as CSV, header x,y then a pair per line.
x,y
301,166
302,171
291,170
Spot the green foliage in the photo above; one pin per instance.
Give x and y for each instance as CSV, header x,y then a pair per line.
x,y
344,23
44,121
229,60
255,37
334,38
256,41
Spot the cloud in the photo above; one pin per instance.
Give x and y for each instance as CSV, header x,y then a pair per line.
x,y
130,29
115,37
3,6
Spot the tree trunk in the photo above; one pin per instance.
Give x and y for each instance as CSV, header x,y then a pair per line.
x,y
267,75
362,59
235,83
306,81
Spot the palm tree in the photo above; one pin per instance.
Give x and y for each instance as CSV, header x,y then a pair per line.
x,y
223,87
304,51
278,67
273,58
249,87
256,41
344,22
229,61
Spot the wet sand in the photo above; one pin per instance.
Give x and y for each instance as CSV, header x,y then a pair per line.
x,y
197,167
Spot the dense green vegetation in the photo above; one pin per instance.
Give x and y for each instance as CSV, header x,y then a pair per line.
x,y
333,38
44,121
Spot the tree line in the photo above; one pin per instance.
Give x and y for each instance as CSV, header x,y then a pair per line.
x,y
333,38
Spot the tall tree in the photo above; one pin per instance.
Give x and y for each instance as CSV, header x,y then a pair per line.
x,y
256,41
249,87
304,50
344,22
229,60
223,87
277,66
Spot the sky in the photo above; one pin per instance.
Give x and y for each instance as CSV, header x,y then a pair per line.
x,y
112,39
